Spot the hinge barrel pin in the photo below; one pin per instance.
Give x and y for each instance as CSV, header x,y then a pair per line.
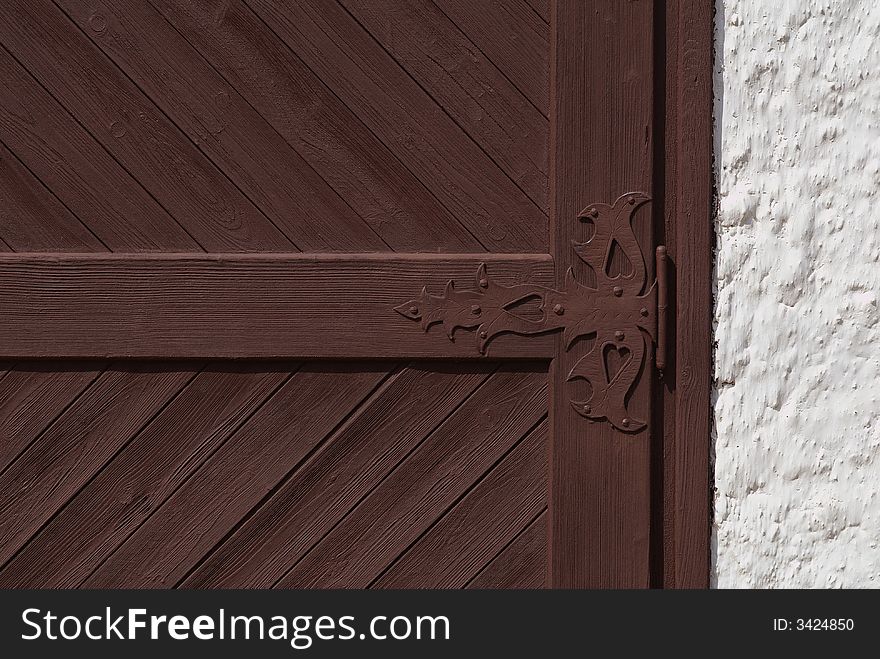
x,y
662,303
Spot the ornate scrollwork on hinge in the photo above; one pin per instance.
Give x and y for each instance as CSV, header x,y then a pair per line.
x,y
618,312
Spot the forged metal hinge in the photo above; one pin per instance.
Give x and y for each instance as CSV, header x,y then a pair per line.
x,y
618,313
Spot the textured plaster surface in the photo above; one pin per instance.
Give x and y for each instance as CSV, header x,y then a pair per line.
x,y
797,374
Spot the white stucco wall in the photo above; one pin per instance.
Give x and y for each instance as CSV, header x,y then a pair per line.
x,y
797,374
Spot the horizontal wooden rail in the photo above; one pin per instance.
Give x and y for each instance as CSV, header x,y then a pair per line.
x,y
263,306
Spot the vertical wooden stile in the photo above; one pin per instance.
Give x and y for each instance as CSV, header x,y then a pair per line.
x,y
601,133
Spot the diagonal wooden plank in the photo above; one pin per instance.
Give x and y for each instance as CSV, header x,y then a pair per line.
x,y
223,125
522,564
32,219
250,465
134,130
139,479
465,83
327,134
449,163
418,491
479,526
513,37
71,163
237,306
77,445
541,8
319,493
32,396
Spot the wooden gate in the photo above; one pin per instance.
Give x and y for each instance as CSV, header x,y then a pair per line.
x,y
354,293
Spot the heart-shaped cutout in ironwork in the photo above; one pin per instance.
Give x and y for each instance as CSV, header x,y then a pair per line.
x,y
615,358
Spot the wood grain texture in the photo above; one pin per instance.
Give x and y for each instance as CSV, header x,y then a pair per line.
x,y
601,141
513,37
689,211
250,465
465,83
522,564
31,398
541,8
464,540
77,446
32,219
311,118
261,306
411,124
223,125
138,480
86,179
426,484
319,493
134,130
345,127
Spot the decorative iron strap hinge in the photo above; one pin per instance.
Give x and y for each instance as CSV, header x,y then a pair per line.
x,y
618,313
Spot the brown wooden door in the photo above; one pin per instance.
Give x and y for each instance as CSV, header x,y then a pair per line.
x,y
350,293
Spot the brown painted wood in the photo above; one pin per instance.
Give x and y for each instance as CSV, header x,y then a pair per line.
x,y
176,306
424,485
319,493
340,128
446,161
223,125
541,8
32,397
468,86
499,506
80,442
278,437
136,482
689,187
32,219
134,130
522,564
74,166
513,37
601,132
328,135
